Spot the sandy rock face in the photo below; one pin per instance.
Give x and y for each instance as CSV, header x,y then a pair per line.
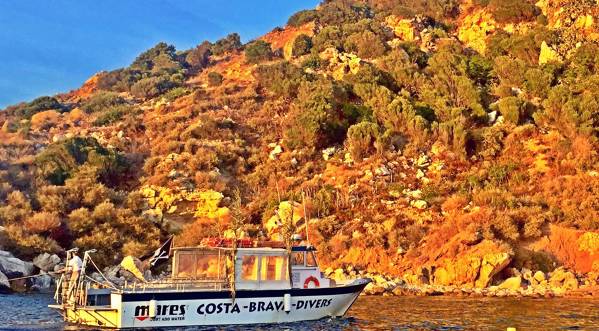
x,y
475,28
491,265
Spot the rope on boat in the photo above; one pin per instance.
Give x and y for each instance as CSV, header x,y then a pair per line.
x,y
99,283
101,274
33,276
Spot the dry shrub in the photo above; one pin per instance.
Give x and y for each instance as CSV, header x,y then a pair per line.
x,y
42,222
193,233
454,203
45,120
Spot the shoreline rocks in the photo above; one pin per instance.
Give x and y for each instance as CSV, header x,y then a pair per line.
x,y
516,286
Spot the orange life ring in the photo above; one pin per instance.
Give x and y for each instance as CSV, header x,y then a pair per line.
x,y
313,280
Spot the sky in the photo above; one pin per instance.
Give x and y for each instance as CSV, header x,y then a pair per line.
x,y
53,46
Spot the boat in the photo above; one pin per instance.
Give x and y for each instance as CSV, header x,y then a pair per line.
x,y
212,285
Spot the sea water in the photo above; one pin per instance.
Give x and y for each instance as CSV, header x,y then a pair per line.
x,y
30,312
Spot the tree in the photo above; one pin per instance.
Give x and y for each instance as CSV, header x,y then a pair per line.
x,y
199,56
258,51
151,87
229,43
365,44
302,17
102,101
362,139
301,45
214,78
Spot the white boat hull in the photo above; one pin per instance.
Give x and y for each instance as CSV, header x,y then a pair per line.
x,y
168,309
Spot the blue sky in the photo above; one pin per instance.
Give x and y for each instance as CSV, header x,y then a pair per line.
x,y
52,46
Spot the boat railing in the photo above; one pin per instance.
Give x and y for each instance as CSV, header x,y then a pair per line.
x,y
175,286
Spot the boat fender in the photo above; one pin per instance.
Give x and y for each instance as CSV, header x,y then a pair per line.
x,y
311,279
152,308
287,302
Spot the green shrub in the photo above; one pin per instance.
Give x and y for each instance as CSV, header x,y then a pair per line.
x,y
329,36
27,110
119,80
302,17
102,101
176,93
512,108
365,44
282,78
59,160
112,115
258,51
151,87
511,11
214,78
301,45
362,139
316,118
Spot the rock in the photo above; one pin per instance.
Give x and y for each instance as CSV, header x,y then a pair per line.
x,y
43,282
347,159
512,283
373,289
491,264
423,161
419,204
13,267
327,153
275,152
382,171
539,277
561,278
548,54
492,117
134,266
4,284
475,28
46,262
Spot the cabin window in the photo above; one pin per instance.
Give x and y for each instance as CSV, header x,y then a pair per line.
x,y
297,258
310,260
209,267
274,268
200,265
249,267
185,265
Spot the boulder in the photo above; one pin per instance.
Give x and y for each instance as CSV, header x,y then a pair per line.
x,y
43,282
492,264
4,284
134,266
13,267
419,204
512,283
539,277
46,262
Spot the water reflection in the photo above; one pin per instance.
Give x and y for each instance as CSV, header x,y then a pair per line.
x,y
29,312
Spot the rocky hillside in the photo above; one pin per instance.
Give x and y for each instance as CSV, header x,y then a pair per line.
x,y
443,142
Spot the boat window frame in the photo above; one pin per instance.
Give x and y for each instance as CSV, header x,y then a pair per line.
x,y
260,255
195,252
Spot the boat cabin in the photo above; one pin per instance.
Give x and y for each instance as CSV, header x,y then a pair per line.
x,y
250,268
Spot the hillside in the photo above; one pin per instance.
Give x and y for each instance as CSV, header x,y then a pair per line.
x,y
445,142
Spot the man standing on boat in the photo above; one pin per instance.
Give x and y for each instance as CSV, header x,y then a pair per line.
x,y
74,268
